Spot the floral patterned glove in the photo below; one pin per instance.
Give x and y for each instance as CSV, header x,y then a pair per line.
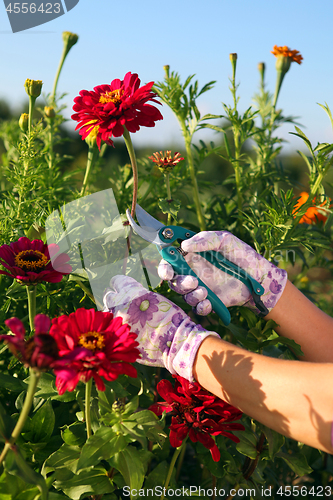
x,y
231,291
167,336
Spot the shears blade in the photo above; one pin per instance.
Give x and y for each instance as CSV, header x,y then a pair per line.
x,y
148,229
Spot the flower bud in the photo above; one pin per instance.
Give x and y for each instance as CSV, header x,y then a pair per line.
x,y
49,112
24,122
69,39
167,70
33,87
233,56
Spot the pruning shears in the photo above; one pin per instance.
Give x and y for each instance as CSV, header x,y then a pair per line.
x,y
164,237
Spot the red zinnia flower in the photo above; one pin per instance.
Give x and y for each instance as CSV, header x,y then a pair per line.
x,y
92,344
39,351
29,261
196,413
107,109
313,214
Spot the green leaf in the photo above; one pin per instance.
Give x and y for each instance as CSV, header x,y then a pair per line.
x,y
46,389
12,383
171,207
247,449
16,465
275,441
130,464
88,482
101,446
40,427
297,463
74,434
66,457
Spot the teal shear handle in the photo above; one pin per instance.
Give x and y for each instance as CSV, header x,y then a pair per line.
x,y
175,257
180,266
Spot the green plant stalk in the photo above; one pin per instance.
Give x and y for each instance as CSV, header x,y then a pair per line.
x,y
90,161
195,188
61,63
167,182
31,291
33,381
88,408
237,169
180,462
32,101
172,465
131,152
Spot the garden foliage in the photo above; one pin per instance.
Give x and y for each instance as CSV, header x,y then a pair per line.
x,y
93,439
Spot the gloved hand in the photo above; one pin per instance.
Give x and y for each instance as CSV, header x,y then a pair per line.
x,y
231,291
167,336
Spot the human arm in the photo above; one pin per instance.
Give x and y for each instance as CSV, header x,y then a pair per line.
x,y
292,397
301,320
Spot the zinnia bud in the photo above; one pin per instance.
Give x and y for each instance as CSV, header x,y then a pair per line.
x,y
49,112
69,40
24,122
167,70
33,87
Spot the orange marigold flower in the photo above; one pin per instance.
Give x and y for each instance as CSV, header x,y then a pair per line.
x,y
285,51
314,213
165,161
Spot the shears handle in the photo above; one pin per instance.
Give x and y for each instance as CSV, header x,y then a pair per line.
x,y
180,266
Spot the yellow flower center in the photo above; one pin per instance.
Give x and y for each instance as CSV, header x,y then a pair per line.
x,y
31,260
113,96
92,340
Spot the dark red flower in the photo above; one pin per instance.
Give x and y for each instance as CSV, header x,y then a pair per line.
x,y
29,261
107,109
39,351
196,413
92,344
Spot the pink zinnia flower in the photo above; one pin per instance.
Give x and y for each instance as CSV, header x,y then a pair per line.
x,y
196,413
92,344
107,109
29,261
39,351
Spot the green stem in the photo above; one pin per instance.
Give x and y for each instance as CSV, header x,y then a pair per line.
x,y
61,63
87,407
90,161
167,182
31,291
172,465
180,462
238,175
33,381
32,101
195,189
131,152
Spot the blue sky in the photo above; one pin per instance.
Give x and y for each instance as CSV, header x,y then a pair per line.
x,y
193,37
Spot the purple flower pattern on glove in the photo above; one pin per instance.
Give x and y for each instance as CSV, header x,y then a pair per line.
x,y
143,308
167,336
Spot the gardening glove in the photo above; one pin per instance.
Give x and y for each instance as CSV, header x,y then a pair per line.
x,y
167,336
230,290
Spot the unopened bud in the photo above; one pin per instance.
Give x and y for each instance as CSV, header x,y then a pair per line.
x,y
69,39
24,122
49,112
167,70
233,56
33,87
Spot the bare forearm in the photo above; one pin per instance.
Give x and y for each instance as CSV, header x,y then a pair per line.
x,y
299,319
292,397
